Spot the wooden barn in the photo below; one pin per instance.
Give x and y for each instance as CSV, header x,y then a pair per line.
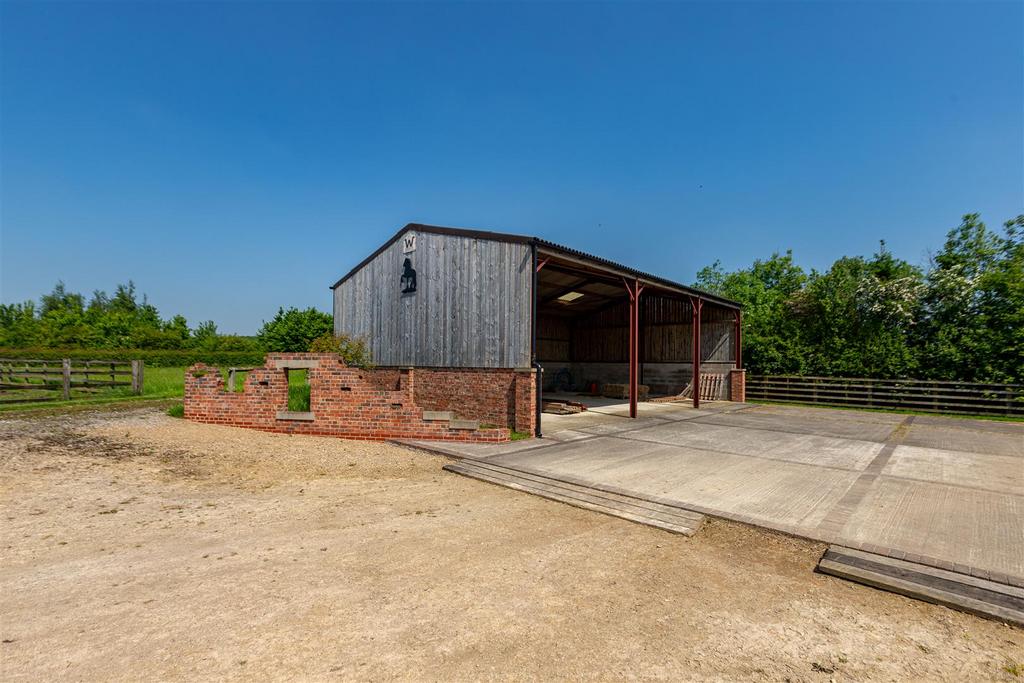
x,y
474,308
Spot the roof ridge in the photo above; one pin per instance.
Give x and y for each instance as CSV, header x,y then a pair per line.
x,y
537,241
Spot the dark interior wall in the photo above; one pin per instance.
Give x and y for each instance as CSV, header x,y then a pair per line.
x,y
578,350
594,346
554,338
602,336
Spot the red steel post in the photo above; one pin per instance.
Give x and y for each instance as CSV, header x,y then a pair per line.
x,y
696,304
632,350
634,341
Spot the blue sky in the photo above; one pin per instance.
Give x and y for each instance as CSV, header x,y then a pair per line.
x,y
231,158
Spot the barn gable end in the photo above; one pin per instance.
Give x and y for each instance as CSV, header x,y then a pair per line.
x,y
471,307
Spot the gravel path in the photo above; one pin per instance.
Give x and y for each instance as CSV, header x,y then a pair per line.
x,y
141,547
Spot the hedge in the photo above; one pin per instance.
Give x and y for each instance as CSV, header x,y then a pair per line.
x,y
152,357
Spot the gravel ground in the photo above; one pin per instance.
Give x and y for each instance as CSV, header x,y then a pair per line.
x,y
141,547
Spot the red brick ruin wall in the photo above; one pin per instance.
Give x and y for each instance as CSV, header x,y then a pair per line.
x,y
492,395
738,385
346,402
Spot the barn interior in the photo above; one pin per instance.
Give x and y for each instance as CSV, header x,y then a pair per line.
x,y
583,332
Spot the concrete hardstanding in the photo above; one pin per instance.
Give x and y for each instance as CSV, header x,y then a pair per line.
x,y
938,491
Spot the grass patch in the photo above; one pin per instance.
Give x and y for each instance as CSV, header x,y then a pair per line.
x,y
298,398
239,381
163,382
519,436
158,383
177,410
298,391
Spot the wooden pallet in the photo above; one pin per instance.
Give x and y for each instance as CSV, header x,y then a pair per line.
x,y
712,388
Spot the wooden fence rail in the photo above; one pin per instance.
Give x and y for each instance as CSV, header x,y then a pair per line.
x,y
965,398
21,374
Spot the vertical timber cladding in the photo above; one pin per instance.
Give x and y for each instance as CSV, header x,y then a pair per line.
x,y
470,307
667,326
668,342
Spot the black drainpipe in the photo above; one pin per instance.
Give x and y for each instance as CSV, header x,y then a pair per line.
x,y
538,370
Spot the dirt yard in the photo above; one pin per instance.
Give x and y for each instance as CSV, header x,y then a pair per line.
x,y
140,547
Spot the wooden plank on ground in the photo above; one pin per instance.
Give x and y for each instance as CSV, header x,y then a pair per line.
x,y
952,589
667,518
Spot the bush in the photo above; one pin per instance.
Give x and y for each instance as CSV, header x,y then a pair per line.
x,y
65,319
354,352
151,357
294,330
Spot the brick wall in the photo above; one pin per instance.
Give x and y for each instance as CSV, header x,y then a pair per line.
x,y
344,401
738,385
495,396
526,401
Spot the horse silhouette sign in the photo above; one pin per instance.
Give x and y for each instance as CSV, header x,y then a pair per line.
x,y
408,281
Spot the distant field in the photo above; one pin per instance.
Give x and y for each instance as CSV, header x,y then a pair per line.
x,y
158,383
163,382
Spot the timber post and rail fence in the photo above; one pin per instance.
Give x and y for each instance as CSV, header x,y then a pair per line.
x,y
962,398
61,377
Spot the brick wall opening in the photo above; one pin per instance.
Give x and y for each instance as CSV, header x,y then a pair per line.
x,y
343,401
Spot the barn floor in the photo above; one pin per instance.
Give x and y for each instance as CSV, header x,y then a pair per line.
x,y
942,491
600,410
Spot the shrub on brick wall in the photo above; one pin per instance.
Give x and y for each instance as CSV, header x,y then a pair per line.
x,y
152,357
353,350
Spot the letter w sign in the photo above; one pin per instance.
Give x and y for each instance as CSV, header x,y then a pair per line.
x,y
409,243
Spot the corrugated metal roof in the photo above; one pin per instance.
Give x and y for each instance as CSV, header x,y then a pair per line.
x,y
549,246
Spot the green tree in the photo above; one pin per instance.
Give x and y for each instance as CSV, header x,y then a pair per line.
x,y
973,318
64,320
856,318
772,336
294,330
19,326
177,327
205,336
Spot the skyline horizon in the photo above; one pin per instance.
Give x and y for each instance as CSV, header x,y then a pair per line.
x,y
143,294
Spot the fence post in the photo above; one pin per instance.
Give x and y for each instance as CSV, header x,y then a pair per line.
x,y
136,377
66,372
